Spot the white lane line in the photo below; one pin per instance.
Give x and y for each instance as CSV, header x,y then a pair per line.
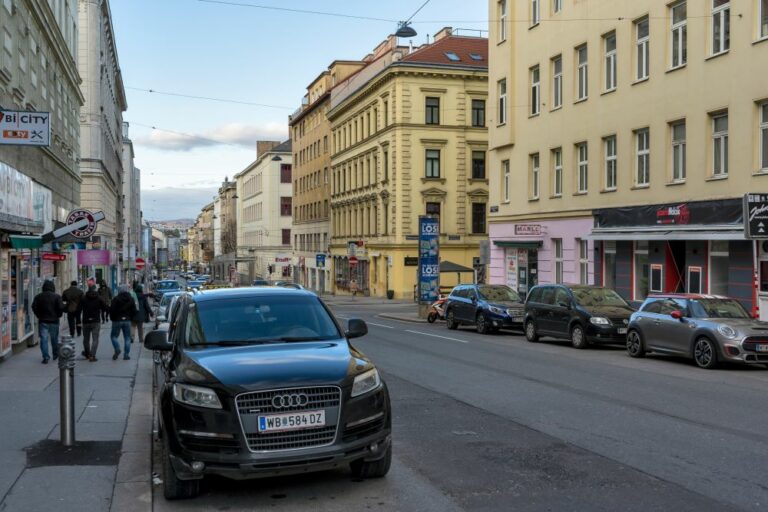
x,y
438,336
381,325
344,317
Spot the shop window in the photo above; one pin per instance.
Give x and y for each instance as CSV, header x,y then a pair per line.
x,y
657,278
694,279
583,261
557,244
718,267
609,264
641,270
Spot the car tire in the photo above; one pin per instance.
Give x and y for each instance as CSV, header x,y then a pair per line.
x,y
578,338
530,331
173,488
705,353
481,324
450,321
635,344
373,469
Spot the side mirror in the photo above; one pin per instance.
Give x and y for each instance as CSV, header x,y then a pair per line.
x,y
356,328
677,315
158,340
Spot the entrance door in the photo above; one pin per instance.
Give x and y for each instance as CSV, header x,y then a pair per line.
x,y
533,269
677,252
522,273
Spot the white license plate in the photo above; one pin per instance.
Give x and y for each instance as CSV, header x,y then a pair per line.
x,y
622,330
291,421
517,319
761,348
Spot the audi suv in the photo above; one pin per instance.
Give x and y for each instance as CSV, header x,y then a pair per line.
x,y
263,381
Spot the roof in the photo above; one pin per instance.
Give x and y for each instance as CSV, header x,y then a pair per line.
x,y
248,291
283,147
463,47
685,296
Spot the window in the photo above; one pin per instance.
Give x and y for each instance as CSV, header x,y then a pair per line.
x,y
679,34
535,89
385,165
475,56
452,56
432,111
285,173
582,83
478,165
643,153
478,113
609,43
557,82
610,162
678,151
642,33
478,218
583,174
557,248
505,179
764,136
641,270
535,12
285,206
286,237
502,20
609,264
433,209
720,145
557,6
583,261
721,26
433,163
557,170
502,86
535,161
763,19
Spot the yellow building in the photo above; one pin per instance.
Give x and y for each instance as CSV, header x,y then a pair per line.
x,y
621,146
409,139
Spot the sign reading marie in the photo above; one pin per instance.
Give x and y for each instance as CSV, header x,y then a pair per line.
x,y
528,229
25,128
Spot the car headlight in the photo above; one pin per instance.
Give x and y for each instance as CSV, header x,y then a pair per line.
x,y
498,311
197,396
727,331
366,382
599,320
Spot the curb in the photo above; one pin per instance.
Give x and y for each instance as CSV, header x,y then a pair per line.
x,y
402,318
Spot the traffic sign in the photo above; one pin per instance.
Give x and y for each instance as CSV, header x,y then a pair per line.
x,y
140,263
353,260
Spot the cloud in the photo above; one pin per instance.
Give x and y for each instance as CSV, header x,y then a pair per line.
x,y
175,203
239,134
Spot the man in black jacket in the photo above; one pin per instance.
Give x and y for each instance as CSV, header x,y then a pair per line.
x,y
73,296
48,308
121,312
93,306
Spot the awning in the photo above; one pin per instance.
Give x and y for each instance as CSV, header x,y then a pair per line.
x,y
513,244
677,234
26,241
449,266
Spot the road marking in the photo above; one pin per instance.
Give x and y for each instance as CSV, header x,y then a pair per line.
x,y
344,317
381,325
438,336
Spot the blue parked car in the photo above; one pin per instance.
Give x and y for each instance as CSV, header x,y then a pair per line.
x,y
489,307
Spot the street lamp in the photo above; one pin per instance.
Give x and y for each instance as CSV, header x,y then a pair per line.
x,y
404,29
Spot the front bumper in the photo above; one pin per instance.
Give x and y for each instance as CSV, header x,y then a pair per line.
x,y
608,334
505,321
744,352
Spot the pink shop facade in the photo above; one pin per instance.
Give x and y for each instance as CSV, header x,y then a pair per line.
x,y
524,254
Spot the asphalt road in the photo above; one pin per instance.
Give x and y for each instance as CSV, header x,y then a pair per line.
x,y
497,423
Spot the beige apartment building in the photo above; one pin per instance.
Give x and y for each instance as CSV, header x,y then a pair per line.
x,y
408,138
622,144
311,134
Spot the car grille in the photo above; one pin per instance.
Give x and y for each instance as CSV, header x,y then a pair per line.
x,y
364,430
752,342
619,322
261,402
515,312
211,445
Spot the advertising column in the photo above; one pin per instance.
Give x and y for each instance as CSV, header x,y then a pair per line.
x,y
429,262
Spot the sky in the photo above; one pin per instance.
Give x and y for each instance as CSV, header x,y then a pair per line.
x,y
261,60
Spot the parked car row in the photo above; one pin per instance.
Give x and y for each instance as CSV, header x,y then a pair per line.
x,y
706,328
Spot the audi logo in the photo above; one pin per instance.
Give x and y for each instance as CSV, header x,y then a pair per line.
x,y
286,401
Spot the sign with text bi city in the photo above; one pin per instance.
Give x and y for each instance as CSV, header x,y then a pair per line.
x,y
25,128
429,258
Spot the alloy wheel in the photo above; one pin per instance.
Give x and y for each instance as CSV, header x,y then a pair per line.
x,y
704,353
635,344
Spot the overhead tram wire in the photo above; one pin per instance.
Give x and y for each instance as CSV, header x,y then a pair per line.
x,y
199,137
296,11
208,98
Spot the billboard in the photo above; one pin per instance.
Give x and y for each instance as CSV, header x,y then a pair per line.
x,y
429,258
25,128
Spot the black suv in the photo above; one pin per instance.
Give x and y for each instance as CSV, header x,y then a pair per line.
x,y
262,382
583,314
489,307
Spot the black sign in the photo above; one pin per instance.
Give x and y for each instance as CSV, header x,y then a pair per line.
x,y
727,211
411,261
756,215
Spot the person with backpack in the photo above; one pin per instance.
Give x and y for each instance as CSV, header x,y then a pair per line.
x,y
93,307
48,308
106,295
72,297
121,312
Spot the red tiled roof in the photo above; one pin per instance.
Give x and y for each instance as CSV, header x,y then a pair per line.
x,y
463,47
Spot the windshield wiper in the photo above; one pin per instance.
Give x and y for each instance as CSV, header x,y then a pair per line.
x,y
222,343
288,339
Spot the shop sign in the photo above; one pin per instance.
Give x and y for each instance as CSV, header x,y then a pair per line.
x,y
528,229
728,211
25,128
411,261
356,248
320,260
429,258
94,257
756,215
52,256
15,193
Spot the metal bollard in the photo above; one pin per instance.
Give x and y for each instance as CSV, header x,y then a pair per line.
x,y
67,390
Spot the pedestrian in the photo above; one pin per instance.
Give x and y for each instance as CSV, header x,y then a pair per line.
x,y
106,295
48,308
73,296
120,312
93,307
143,315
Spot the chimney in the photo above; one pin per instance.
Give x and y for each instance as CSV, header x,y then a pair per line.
x,y
264,146
445,32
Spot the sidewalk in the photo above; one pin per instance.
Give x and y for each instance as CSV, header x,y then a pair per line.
x,y
109,468
360,300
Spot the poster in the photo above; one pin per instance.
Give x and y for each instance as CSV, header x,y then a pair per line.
x,y
511,268
429,259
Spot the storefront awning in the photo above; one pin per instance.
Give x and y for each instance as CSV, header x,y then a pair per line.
x,y
513,244
667,234
26,242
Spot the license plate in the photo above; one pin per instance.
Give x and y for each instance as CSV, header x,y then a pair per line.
x,y
622,330
761,348
291,421
517,319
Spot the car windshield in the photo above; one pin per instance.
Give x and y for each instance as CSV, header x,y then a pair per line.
x,y
167,285
591,297
498,294
166,299
260,319
717,308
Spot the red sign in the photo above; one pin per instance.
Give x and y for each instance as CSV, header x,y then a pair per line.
x,y
140,263
52,256
353,260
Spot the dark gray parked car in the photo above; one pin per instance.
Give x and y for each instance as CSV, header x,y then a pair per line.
x,y
707,328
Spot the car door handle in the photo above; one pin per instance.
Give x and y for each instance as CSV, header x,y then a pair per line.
x,y
656,322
